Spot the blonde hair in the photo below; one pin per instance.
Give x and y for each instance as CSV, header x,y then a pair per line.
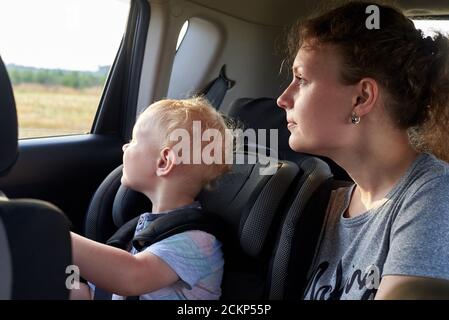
x,y
175,114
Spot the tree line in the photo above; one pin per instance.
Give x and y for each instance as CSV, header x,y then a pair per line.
x,y
67,78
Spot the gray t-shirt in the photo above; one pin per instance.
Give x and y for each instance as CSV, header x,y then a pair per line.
x,y
406,235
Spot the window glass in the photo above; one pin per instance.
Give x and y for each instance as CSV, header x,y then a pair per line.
x,y
191,63
58,54
430,26
182,34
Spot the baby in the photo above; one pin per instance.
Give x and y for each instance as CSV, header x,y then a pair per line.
x,y
187,265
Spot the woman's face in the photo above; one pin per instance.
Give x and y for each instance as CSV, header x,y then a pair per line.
x,y
317,104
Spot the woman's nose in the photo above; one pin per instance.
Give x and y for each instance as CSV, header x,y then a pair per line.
x,y
285,100
125,146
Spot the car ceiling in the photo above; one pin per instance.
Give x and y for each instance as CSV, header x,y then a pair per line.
x,y
283,12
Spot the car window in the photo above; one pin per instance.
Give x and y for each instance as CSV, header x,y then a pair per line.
x,y
58,55
429,26
182,34
191,63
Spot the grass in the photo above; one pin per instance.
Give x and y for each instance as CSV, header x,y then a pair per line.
x,y
55,110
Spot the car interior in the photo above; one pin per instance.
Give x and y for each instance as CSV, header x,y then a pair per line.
x,y
52,185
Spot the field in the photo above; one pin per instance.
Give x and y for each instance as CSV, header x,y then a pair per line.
x,y
55,110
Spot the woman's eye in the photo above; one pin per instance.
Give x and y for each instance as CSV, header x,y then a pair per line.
x,y
300,81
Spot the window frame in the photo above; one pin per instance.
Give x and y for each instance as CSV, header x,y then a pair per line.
x,y
117,108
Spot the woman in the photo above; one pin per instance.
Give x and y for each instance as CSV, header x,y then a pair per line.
x,y
376,101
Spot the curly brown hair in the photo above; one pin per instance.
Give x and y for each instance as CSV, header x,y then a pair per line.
x,y
413,69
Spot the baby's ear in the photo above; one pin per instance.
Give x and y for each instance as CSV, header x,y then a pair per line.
x,y
165,162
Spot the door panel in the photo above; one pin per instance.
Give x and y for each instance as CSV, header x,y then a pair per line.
x,y
64,171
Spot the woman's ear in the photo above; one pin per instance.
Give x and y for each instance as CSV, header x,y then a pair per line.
x,y
166,162
366,98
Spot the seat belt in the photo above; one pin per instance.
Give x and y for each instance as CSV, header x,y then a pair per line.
x,y
163,227
177,222
216,90
123,236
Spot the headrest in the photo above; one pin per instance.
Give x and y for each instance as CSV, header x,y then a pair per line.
x,y
262,113
8,123
127,204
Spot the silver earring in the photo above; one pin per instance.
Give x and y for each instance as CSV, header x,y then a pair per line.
x,y
355,119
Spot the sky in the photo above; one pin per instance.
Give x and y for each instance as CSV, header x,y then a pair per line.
x,y
64,34
74,34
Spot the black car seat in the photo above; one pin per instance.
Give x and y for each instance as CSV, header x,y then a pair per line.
x,y
304,213
35,247
247,202
250,204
